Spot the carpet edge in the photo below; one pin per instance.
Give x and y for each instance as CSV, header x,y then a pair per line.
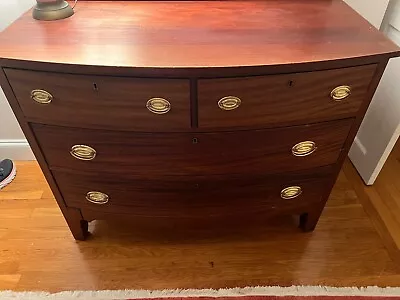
x,y
247,291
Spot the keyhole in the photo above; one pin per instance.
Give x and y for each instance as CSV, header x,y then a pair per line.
x,y
291,83
195,140
95,86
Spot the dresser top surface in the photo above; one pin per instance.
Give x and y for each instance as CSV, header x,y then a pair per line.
x,y
191,34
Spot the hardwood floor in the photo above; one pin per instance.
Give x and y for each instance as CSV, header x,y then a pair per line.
x,y
37,251
382,200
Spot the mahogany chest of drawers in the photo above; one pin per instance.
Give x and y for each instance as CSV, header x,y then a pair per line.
x,y
195,111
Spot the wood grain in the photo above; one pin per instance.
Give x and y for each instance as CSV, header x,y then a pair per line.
x,y
192,41
188,34
102,102
37,251
308,221
197,199
381,201
242,152
282,100
72,216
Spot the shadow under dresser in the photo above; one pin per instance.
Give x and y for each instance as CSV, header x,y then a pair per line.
x,y
196,111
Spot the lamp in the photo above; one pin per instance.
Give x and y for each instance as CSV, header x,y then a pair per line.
x,y
52,10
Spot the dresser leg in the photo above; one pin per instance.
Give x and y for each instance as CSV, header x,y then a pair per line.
x,y
79,230
78,226
309,220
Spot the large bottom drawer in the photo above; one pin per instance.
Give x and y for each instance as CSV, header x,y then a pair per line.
x,y
196,196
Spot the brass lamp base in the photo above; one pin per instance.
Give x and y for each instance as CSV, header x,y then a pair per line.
x,y
57,10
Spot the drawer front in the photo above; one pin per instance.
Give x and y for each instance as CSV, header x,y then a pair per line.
x,y
282,99
175,196
102,102
259,151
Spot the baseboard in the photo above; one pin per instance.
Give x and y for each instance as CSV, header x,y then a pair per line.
x,y
15,150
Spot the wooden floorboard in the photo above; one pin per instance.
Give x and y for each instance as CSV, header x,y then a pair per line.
x,y
37,251
381,201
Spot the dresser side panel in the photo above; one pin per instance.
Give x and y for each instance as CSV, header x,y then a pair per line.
x,y
73,216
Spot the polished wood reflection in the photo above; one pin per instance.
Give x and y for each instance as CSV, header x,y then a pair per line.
x,y
38,252
187,34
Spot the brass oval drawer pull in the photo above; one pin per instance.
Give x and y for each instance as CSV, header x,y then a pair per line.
x,y
97,197
341,92
304,148
41,96
158,106
83,152
229,103
291,192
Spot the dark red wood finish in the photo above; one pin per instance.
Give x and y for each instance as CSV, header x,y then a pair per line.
x,y
197,34
77,224
102,102
281,100
309,220
241,152
193,41
192,197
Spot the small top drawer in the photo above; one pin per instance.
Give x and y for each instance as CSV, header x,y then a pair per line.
x,y
279,100
102,102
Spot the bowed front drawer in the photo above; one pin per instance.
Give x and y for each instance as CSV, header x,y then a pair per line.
x,y
199,196
107,102
281,100
241,109
259,151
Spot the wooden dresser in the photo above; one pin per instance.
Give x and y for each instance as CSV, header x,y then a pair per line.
x,y
202,112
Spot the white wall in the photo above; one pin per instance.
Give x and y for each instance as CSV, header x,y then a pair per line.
x,y
381,127
12,141
372,10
